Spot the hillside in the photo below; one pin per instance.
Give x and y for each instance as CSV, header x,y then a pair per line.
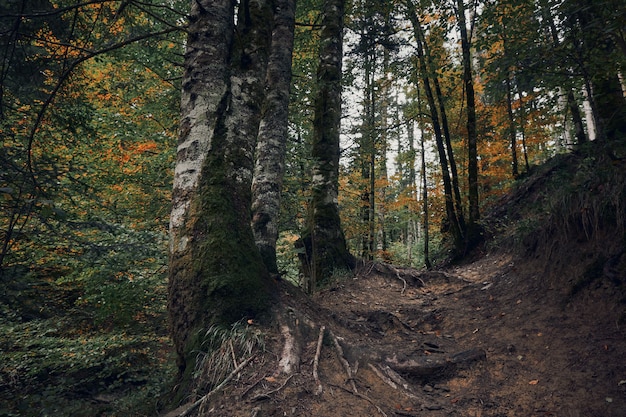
x,y
533,323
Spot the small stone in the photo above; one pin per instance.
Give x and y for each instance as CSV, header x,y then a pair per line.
x,y
428,388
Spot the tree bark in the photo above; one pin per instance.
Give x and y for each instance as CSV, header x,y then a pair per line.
x,y
453,222
271,145
216,274
512,130
325,249
472,149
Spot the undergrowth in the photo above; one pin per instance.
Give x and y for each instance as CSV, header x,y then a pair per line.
x,y
222,350
60,358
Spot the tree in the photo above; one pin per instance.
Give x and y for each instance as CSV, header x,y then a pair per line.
x,y
270,154
472,166
594,31
452,218
324,246
216,273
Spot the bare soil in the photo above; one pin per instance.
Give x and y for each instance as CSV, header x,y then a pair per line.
x,y
548,351
530,324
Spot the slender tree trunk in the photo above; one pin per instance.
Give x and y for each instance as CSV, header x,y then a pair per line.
x,y
325,246
606,90
367,149
522,126
272,138
216,274
453,221
472,149
512,130
453,168
425,205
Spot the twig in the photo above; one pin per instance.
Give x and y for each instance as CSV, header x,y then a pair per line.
x,y
343,361
267,394
247,390
218,388
316,361
232,352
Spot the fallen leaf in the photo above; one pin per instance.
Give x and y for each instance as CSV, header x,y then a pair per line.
x,y
533,382
270,379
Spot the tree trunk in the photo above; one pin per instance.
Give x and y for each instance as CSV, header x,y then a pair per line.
x,y
325,249
270,153
512,130
453,222
216,275
472,150
425,204
458,201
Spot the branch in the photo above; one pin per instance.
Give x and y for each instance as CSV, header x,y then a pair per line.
x,y
62,78
267,394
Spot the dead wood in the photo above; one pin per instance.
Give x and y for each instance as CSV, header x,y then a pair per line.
x,y
292,347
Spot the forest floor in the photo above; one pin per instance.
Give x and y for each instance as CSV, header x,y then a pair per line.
x,y
548,353
530,324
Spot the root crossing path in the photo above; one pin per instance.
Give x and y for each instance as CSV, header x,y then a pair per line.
x,y
483,339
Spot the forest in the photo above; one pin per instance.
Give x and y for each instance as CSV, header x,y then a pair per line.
x,y
314,208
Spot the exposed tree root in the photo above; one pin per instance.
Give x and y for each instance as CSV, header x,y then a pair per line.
x,y
344,361
316,361
435,365
300,333
292,348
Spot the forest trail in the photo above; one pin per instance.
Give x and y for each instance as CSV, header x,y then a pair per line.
x,y
547,353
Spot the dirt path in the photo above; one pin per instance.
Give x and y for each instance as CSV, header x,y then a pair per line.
x,y
544,356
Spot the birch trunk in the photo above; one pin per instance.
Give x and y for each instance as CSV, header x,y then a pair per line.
x,y
216,274
270,153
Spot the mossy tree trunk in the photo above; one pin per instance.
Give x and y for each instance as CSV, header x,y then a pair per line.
x,y
325,249
270,153
216,274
